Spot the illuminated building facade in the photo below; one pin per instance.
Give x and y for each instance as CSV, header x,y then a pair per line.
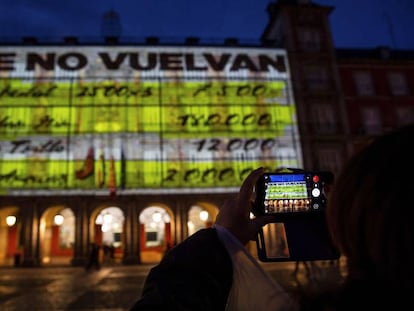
x,y
135,146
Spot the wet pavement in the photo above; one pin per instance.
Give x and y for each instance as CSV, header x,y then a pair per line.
x,y
114,288
70,288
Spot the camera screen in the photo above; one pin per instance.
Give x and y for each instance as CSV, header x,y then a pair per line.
x,y
298,201
285,193
293,192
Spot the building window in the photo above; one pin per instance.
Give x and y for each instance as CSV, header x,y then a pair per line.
x,y
329,159
316,78
310,39
371,121
363,83
324,119
398,84
405,115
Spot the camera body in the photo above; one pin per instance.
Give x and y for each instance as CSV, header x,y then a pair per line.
x,y
297,200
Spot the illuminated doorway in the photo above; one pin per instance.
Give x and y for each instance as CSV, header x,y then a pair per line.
x,y
10,246
109,233
57,229
155,232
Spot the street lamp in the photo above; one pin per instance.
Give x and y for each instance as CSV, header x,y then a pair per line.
x,y
156,217
11,220
58,219
107,218
204,215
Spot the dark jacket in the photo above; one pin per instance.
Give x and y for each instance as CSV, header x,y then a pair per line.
x,y
194,275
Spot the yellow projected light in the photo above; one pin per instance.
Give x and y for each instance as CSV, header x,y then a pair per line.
x,y
136,132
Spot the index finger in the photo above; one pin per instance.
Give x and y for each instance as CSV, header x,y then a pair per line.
x,y
246,188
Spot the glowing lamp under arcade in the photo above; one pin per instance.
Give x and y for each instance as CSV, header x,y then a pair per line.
x,y
58,219
204,215
10,220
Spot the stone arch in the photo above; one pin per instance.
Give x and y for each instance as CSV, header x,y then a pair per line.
x,y
156,231
9,235
57,239
107,230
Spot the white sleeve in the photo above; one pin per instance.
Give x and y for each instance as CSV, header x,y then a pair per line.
x,y
253,288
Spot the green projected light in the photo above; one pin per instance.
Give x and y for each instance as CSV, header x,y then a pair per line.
x,y
130,131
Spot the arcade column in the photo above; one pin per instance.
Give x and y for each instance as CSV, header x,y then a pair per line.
x,y
132,236
30,238
81,247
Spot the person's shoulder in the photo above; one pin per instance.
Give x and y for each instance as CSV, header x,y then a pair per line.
x,y
203,240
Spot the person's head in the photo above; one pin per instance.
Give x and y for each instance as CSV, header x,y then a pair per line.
x,y
370,210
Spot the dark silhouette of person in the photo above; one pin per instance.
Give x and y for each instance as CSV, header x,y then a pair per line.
x,y
112,252
93,260
108,253
369,215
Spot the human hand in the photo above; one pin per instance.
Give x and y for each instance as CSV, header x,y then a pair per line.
x,y
234,214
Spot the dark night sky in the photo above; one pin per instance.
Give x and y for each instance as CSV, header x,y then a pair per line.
x,y
355,23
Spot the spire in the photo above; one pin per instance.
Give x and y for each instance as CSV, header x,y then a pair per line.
x,y
111,24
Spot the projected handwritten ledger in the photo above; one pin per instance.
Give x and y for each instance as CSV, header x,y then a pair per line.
x,y
94,117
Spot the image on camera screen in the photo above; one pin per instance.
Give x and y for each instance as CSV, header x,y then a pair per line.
x,y
299,231
285,193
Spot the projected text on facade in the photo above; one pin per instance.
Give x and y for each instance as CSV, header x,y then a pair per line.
x,y
136,118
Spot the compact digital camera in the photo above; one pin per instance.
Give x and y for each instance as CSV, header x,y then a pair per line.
x,y
297,199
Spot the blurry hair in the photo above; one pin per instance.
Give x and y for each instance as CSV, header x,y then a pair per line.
x,y
370,210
